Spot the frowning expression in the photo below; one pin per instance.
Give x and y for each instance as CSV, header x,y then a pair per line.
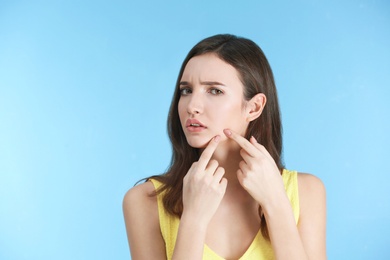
x,y
211,99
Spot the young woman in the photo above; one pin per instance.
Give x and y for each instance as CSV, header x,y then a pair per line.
x,y
226,194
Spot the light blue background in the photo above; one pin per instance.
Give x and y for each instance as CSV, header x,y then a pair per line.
x,y
85,88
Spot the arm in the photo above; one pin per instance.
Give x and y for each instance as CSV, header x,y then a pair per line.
x,y
204,182
203,190
190,239
308,240
312,217
142,223
259,175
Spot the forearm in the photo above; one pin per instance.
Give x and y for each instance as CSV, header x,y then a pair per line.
x,y
285,238
190,240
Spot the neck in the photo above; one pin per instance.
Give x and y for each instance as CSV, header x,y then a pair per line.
x,y
228,156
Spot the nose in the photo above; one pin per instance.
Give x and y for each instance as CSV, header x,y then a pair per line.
x,y
195,104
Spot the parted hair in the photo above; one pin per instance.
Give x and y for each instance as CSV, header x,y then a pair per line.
x,y
256,76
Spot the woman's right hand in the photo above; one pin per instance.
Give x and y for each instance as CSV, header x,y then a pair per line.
x,y
204,186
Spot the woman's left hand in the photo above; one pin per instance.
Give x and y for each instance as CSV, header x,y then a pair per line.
x,y
257,173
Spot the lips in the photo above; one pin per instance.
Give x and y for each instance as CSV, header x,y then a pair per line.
x,y
194,125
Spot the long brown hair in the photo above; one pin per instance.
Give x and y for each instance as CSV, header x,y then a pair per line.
x,y
257,77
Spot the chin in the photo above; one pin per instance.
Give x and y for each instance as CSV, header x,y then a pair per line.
x,y
199,145
198,142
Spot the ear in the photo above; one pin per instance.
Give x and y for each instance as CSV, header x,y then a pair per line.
x,y
255,106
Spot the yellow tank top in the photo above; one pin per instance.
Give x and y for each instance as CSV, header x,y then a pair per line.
x,y
260,248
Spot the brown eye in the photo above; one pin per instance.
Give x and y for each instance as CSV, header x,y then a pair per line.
x,y
216,91
185,91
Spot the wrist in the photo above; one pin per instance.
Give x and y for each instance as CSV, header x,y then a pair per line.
x,y
190,238
276,205
190,220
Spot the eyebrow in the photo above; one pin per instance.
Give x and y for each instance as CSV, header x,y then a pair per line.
x,y
207,83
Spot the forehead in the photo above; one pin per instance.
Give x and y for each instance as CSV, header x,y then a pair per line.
x,y
209,67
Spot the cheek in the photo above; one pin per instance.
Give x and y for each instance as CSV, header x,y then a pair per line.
x,y
181,110
232,117
229,110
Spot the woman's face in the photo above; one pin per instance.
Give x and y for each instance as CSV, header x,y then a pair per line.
x,y
211,100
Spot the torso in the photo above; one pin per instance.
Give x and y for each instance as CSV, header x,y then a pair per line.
x,y
234,225
237,217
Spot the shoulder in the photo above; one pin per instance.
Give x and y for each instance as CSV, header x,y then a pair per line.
x,y
312,194
312,216
140,198
309,183
140,211
141,191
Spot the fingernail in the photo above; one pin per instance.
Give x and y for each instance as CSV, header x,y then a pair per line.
x,y
227,132
216,139
253,138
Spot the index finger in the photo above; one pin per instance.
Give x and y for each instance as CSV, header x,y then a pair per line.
x,y
208,152
241,141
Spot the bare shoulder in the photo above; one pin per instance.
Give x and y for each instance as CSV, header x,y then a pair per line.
x,y
140,211
312,216
309,183
140,196
311,192
139,204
